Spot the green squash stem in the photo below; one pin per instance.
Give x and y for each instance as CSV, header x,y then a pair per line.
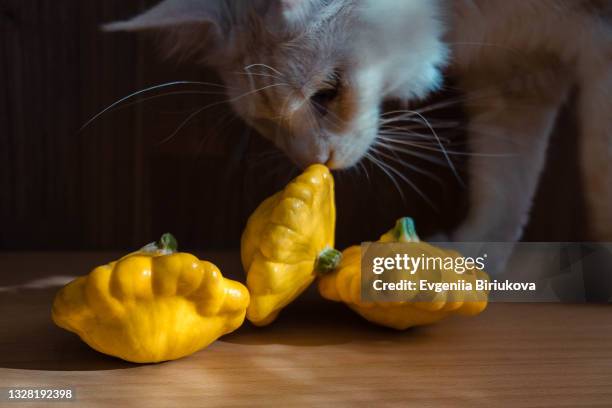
x,y
405,230
328,260
167,242
166,245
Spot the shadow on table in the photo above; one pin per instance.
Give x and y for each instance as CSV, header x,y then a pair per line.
x,y
313,322
29,340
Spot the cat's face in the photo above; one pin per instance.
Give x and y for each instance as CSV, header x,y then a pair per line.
x,y
306,91
311,75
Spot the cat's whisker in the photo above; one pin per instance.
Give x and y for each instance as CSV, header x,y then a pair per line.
x,y
312,119
407,181
408,131
415,124
403,134
279,140
143,91
428,146
407,127
150,98
395,119
418,154
187,120
407,143
258,75
411,117
251,75
435,134
361,165
442,104
406,117
450,152
394,112
382,167
439,125
331,116
400,114
472,97
199,111
394,157
251,66
220,124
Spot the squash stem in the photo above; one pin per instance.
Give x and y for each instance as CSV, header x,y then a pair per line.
x,y
405,230
328,260
168,243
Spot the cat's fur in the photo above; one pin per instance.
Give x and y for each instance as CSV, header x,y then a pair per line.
x,y
311,75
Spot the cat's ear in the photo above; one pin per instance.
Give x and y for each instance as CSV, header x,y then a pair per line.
x,y
189,27
170,14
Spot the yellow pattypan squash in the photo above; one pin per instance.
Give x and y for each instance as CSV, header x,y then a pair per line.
x,y
286,240
344,285
151,305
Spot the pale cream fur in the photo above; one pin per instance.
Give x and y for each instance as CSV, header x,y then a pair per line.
x,y
518,60
525,56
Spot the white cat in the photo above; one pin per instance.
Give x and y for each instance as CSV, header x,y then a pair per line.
x,y
311,75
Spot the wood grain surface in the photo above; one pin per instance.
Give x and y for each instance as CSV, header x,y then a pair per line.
x,y
114,185
317,354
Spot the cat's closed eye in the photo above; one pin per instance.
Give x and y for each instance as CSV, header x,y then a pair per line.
x,y
330,91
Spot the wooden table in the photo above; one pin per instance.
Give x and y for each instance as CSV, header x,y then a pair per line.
x,y
318,353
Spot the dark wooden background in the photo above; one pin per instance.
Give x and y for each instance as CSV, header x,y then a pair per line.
x,y
115,186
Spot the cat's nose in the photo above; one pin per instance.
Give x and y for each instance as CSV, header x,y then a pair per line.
x,y
330,160
322,157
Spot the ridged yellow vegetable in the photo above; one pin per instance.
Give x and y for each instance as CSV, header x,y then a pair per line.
x,y
152,305
283,240
344,285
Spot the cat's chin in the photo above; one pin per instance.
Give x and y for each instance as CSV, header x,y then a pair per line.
x,y
340,159
339,164
332,163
